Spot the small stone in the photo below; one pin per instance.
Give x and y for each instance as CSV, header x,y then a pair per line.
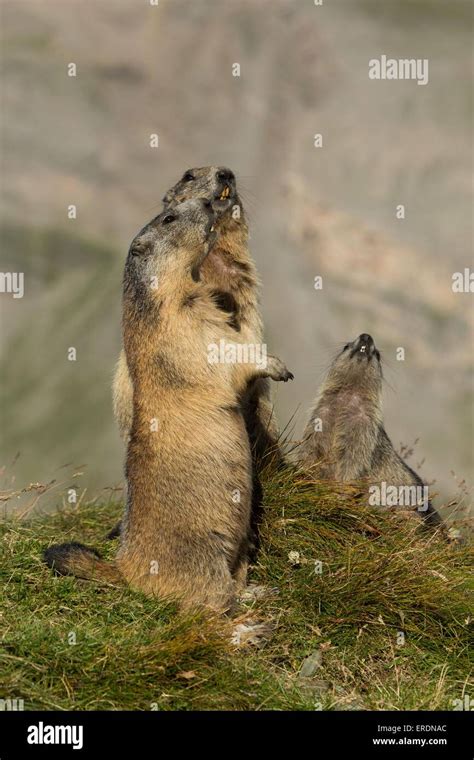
x,y
313,686
255,634
310,665
253,592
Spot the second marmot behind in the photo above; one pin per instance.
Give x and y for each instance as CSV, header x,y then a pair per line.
x,y
345,438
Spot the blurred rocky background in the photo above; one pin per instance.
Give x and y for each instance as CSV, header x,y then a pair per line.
x,y
328,211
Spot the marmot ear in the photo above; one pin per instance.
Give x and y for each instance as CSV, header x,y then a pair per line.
x,y
166,198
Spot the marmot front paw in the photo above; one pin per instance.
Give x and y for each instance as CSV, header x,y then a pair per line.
x,y
277,370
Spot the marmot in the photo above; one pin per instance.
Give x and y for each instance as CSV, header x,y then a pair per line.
x,y
345,438
231,272
185,533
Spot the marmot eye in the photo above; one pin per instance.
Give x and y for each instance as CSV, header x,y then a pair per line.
x,y
188,177
168,219
346,347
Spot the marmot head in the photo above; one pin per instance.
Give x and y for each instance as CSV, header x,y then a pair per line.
x,y
358,365
215,183
169,249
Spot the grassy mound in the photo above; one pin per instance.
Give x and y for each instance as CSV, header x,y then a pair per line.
x,y
375,610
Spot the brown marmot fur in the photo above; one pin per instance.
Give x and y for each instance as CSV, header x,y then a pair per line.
x,y
185,533
345,438
230,271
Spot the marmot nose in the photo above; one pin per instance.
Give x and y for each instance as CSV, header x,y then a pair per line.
x,y
225,175
365,340
206,203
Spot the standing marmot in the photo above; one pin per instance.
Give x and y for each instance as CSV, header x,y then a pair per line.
x,y
185,533
345,439
230,271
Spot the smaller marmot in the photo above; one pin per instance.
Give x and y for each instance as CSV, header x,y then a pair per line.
x,y
345,438
186,533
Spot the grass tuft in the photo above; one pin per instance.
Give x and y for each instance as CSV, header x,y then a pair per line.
x,y
382,608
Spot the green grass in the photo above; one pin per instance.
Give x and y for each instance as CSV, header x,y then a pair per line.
x,y
380,576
